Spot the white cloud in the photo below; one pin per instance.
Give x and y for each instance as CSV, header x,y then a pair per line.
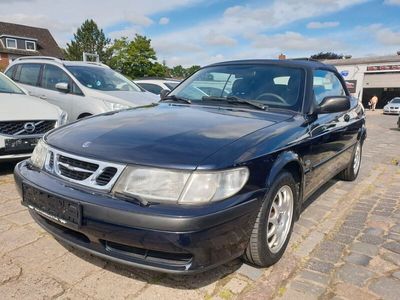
x,y
137,19
215,39
62,18
320,25
384,35
247,22
392,2
163,21
289,41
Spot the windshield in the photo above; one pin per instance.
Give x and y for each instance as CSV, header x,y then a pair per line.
x,y
102,79
7,86
272,85
395,100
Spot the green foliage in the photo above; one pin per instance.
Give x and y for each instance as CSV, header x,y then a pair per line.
x,y
88,38
327,55
180,72
134,58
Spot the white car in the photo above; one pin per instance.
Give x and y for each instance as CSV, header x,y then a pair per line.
x,y
393,106
155,86
79,88
23,120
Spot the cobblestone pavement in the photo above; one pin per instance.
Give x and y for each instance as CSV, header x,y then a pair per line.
x,y
346,245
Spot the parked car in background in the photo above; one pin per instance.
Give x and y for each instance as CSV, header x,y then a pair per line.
x,y
197,180
156,85
80,88
392,107
23,120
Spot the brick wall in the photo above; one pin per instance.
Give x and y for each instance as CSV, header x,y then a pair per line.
x,y
4,61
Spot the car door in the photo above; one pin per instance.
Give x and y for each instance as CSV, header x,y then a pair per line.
x,y
331,134
65,99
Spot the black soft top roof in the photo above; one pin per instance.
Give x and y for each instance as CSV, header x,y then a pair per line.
x,y
310,64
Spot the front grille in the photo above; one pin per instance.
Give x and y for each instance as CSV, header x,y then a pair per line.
x,y
106,176
72,174
84,171
26,127
78,163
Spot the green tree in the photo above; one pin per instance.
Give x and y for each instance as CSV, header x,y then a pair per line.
x,y
178,71
135,58
327,55
192,69
88,38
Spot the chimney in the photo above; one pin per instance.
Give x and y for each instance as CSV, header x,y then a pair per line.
x,y
282,56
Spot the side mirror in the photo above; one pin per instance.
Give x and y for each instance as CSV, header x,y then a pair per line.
x,y
62,87
163,94
333,104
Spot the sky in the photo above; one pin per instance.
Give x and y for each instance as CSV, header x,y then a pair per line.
x,y
200,32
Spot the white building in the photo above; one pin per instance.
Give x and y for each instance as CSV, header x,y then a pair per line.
x,y
370,76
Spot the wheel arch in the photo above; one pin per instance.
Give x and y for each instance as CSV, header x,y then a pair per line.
x,y
291,162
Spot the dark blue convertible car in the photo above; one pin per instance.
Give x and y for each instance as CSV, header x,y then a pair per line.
x,y
218,169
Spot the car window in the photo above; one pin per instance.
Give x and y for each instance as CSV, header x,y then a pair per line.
x,y
395,100
152,88
29,74
272,85
171,85
53,75
10,72
325,84
102,79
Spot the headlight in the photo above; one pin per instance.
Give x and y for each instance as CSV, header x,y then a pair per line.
x,y
38,156
115,106
182,187
62,120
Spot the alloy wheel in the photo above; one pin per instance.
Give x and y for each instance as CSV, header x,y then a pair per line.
x,y
280,219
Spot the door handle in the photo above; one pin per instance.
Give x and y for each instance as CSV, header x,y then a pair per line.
x,y
43,97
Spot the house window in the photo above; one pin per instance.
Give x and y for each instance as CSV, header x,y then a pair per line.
x,y
30,45
11,43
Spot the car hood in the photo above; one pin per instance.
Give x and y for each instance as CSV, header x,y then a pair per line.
x,y
174,136
23,107
130,98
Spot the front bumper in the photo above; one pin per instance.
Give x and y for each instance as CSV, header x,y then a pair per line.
x,y
164,238
391,111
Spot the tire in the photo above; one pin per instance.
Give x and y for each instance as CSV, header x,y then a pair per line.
x,y
261,251
352,170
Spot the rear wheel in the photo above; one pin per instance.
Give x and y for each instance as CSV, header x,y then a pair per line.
x,y
352,170
274,223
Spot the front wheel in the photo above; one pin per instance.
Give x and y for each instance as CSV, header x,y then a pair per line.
x,y
352,170
274,223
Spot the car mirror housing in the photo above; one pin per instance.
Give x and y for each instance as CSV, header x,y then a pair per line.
x,y
163,94
62,87
333,104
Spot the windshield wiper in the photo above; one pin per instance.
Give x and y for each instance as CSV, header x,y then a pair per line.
x,y
234,99
176,99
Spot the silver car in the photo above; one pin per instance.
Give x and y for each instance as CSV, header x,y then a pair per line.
x,y
79,88
393,106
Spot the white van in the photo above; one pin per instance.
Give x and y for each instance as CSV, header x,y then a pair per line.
x,y
80,88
